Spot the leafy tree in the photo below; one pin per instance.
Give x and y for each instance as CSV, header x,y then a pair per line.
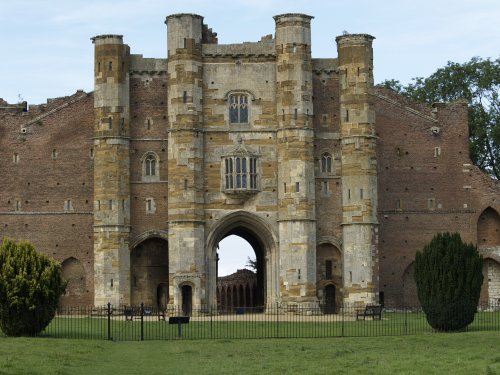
x,y
252,264
477,81
30,287
448,273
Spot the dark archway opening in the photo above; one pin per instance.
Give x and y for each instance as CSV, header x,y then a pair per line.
x,y
244,289
149,273
187,299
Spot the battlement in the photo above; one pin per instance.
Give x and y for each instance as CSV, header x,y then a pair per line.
x,y
19,107
265,47
107,39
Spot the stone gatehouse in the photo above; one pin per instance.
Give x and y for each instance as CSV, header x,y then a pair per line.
x,y
335,183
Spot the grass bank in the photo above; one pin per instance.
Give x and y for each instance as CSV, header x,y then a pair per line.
x,y
458,353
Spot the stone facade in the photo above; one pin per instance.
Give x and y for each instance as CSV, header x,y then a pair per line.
x,y
335,183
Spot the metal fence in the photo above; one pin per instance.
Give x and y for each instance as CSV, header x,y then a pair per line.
x,y
125,323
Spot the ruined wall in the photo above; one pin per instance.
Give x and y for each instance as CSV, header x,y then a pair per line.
x,y
46,192
426,184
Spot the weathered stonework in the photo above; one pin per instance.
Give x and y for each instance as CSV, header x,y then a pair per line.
x,y
334,182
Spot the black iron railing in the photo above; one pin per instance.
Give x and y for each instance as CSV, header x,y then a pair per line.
x,y
277,321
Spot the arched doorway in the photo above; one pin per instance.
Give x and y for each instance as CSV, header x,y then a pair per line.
x,y
187,299
263,240
149,273
328,276
238,269
488,243
488,229
76,290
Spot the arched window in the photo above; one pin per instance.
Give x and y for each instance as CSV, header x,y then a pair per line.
x,y
238,108
150,167
326,163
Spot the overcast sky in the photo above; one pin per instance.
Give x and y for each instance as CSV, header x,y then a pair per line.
x,y
47,52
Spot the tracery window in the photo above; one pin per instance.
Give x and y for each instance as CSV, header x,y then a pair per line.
x,y
238,108
150,167
240,173
326,163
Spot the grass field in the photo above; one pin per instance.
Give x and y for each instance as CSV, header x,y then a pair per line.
x,y
457,353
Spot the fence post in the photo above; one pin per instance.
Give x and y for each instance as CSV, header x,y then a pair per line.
x,y
109,321
342,310
277,320
406,319
211,316
142,321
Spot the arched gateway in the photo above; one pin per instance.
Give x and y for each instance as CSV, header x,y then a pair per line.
x,y
263,240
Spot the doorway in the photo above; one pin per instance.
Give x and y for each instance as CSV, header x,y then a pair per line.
x,y
330,299
187,300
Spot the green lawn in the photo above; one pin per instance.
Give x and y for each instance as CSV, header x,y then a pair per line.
x,y
457,353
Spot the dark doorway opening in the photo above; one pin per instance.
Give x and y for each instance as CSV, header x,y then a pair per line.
x,y
187,300
329,299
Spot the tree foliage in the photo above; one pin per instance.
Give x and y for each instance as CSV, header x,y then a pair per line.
x,y
449,276
252,264
478,82
30,287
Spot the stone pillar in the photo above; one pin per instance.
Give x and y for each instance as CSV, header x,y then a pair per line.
x,y
359,168
111,171
185,158
296,194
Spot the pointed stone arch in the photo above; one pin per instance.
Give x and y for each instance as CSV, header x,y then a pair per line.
x,y
263,239
76,291
149,269
488,229
329,272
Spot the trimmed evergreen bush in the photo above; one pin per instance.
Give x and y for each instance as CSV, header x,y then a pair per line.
x,y
448,273
30,287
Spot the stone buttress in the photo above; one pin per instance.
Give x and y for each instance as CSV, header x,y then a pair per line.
x,y
295,137
111,171
359,168
185,160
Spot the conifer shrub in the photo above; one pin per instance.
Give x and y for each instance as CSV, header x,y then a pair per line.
x,y
448,273
30,287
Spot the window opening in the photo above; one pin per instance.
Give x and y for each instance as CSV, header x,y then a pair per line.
x,y
326,163
240,173
238,108
150,165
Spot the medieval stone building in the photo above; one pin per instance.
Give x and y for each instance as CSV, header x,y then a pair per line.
x,y
334,182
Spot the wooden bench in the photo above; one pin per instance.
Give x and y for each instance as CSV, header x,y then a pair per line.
x,y
132,313
375,311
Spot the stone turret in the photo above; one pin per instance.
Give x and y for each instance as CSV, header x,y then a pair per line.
x,y
359,168
111,171
296,194
185,160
